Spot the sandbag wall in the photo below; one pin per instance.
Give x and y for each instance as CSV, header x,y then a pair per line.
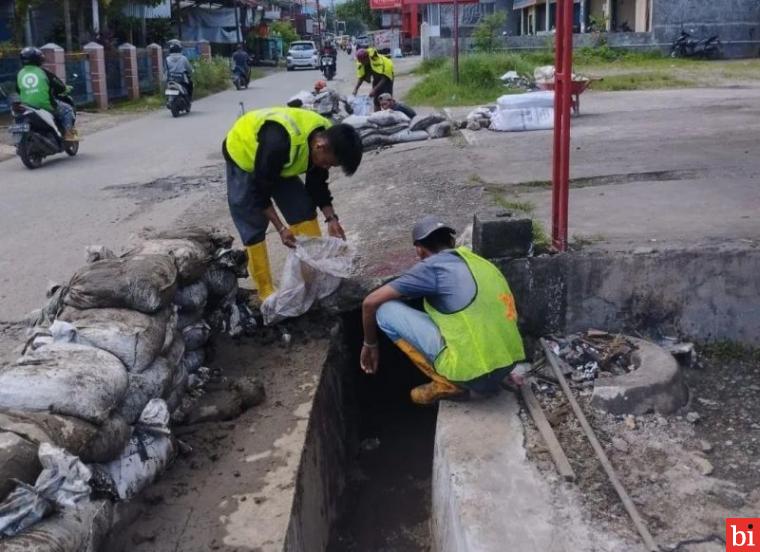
x,y
389,127
114,354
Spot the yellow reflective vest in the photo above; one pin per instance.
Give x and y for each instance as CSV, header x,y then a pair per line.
x,y
380,64
483,336
243,138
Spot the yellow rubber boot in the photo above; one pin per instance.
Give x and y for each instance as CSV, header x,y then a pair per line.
x,y
439,388
309,228
258,268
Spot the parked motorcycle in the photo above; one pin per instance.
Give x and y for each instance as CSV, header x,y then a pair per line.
x,y
36,134
687,46
327,62
177,95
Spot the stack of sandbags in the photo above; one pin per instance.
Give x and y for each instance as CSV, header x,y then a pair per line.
x,y
388,127
479,117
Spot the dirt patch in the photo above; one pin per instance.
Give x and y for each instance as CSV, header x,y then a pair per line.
x,y
171,187
686,473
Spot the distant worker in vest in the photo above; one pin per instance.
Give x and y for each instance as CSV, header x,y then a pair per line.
x,y
178,65
41,89
266,151
388,102
372,66
467,338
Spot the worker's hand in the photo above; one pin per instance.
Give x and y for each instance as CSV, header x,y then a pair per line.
x,y
516,380
335,230
370,359
288,238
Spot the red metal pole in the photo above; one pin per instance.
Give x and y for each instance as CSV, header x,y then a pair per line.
x,y
562,103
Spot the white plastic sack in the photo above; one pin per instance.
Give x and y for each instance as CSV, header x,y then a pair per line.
x,y
65,378
515,120
312,271
62,483
147,454
306,98
545,73
361,105
543,98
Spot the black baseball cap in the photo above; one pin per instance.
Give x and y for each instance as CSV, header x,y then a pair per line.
x,y
427,225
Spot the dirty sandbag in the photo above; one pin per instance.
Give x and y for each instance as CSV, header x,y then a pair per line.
x,y
361,105
422,122
359,122
94,253
189,256
388,117
312,271
152,383
196,335
67,432
373,141
109,441
145,283
62,483
175,353
407,136
220,281
171,329
192,297
392,129
147,453
80,529
64,378
210,238
235,260
133,337
439,130
188,318
18,462
192,360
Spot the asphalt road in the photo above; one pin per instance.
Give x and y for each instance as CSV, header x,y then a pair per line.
x,y
48,216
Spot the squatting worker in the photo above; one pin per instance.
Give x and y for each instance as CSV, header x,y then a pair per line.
x,y
376,68
467,338
266,150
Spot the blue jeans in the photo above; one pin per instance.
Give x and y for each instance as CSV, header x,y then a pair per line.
x,y
65,114
400,321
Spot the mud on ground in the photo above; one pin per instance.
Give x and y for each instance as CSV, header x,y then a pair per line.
x,y
684,477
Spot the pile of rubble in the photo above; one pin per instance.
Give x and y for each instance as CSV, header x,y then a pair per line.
x,y
114,357
384,128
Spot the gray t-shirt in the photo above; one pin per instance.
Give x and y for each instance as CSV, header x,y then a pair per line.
x,y
178,63
444,280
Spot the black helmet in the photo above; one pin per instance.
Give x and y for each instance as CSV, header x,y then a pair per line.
x,y
31,56
175,46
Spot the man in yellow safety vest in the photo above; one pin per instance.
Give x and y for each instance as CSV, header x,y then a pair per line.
x,y
266,151
467,339
372,66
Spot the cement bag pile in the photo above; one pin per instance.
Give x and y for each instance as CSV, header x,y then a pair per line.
x,y
312,271
520,112
388,127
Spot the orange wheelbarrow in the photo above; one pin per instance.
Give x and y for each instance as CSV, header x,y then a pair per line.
x,y
578,87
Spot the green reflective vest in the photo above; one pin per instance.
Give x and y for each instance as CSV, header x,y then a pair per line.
x,y
243,137
34,87
380,64
483,336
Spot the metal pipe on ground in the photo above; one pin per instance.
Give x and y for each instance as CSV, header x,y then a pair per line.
x,y
630,507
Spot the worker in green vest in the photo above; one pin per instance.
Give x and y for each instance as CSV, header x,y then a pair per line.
x,y
39,88
266,151
374,67
466,340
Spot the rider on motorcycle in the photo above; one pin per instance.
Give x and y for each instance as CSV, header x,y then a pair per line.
x,y
242,61
39,88
178,64
329,50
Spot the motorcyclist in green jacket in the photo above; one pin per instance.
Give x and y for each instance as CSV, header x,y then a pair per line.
x,y
38,88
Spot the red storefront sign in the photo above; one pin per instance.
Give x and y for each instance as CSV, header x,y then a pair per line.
x,y
384,4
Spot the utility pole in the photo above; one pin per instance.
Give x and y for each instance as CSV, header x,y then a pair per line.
x,y
456,41
319,25
67,25
95,16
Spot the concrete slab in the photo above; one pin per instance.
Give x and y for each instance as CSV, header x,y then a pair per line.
x,y
487,496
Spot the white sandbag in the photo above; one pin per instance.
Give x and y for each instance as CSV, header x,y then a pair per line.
x,y
407,136
192,297
544,73
152,383
543,98
306,97
196,336
312,271
146,455
422,122
133,337
387,118
145,283
62,483
80,529
361,105
189,256
359,122
481,113
18,462
439,130
65,378
515,120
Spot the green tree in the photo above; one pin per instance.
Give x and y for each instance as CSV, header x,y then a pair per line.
x,y
487,33
358,10
285,30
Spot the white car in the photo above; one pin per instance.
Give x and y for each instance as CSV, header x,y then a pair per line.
x,y
303,53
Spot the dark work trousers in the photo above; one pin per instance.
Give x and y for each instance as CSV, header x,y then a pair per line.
x,y
387,87
289,195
